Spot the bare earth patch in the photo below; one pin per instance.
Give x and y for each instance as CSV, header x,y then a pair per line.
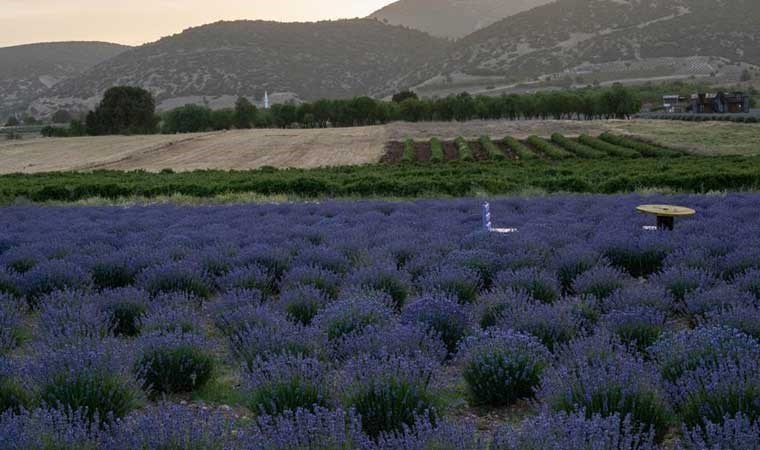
x,y
250,149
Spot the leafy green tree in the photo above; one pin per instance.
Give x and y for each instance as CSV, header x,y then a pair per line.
x,y
284,115
399,97
124,110
222,119
245,113
30,120
77,128
187,119
61,116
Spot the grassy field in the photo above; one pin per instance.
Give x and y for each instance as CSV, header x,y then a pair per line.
x,y
252,149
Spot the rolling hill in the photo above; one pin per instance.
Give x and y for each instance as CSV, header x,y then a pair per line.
x,y
216,63
27,71
581,39
452,19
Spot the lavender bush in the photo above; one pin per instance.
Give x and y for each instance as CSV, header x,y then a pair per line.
x,y
601,377
378,297
388,392
168,426
170,363
542,286
441,315
501,367
575,431
284,383
735,433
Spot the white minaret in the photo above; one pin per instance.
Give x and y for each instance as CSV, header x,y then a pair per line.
x,y
266,99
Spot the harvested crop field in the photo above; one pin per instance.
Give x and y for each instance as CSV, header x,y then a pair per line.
x,y
251,149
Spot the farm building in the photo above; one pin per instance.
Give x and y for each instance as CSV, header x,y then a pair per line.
x,y
718,103
675,103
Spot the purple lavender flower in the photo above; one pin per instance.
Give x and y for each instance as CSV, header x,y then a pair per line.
x,y
275,260
553,324
352,315
9,283
542,286
67,316
493,304
749,282
119,270
21,259
174,277
717,298
92,376
321,429
572,261
303,302
734,433
388,393
51,276
173,313
267,332
170,363
126,309
458,282
326,281
637,325
40,429
619,382
711,393
441,315
10,323
679,353
600,282
640,257
324,257
411,340
743,317
501,367
742,259
680,281
384,278
284,382
640,295
574,431
253,277
173,426
426,436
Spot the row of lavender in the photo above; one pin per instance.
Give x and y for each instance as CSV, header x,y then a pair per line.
x,y
366,325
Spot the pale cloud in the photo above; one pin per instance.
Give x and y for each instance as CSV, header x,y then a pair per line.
x,y
138,21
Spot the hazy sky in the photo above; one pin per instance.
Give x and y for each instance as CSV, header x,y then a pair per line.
x,y
139,21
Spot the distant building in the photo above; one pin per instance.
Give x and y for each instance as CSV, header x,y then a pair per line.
x,y
675,103
720,103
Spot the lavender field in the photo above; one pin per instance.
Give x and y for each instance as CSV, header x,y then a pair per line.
x,y
375,325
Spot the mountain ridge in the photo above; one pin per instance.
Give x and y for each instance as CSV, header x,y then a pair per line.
x,y
245,58
29,70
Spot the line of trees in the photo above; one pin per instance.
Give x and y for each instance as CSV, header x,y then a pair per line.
x,y
131,110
